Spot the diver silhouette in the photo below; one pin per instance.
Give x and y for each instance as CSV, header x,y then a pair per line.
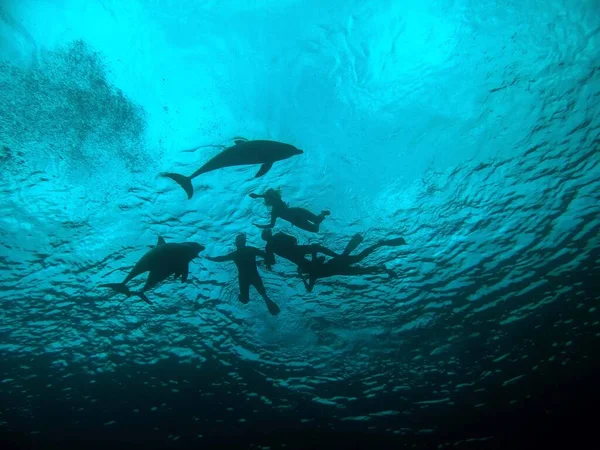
x,y
342,264
300,217
244,258
287,247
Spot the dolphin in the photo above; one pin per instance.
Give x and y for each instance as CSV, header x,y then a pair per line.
x,y
244,152
162,261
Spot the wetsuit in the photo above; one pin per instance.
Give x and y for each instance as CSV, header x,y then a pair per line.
x,y
300,217
287,247
342,264
245,261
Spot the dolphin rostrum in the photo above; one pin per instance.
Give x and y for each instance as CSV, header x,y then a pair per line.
x,y
244,152
162,261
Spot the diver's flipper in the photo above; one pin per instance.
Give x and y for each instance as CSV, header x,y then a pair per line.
x,y
263,169
354,242
183,181
272,307
394,242
160,241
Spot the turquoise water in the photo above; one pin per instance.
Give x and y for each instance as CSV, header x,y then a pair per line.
x,y
472,129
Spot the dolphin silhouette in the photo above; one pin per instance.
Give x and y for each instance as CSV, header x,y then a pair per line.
x,y
162,261
244,152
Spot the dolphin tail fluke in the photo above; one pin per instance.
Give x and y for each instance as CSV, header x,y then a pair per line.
x,y
181,180
142,296
121,288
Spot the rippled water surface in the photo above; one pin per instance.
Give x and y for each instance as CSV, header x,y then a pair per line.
x,y
472,129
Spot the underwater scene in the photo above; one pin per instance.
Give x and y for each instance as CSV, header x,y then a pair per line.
x,y
298,224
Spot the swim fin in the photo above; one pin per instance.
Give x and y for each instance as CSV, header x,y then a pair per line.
x,y
354,242
272,307
183,181
394,242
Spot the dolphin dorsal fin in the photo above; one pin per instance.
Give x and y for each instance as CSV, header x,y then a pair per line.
x,y
160,241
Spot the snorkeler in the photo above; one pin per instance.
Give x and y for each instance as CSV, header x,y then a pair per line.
x,y
245,260
287,247
342,265
300,217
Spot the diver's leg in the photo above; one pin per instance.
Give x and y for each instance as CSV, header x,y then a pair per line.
x,y
393,242
305,214
313,249
366,270
312,217
303,218
305,225
318,248
369,270
271,305
354,242
321,217
244,289
303,264
353,259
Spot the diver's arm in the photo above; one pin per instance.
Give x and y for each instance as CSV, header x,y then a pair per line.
x,y
259,252
221,258
273,220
